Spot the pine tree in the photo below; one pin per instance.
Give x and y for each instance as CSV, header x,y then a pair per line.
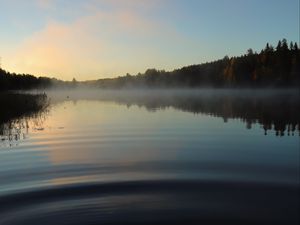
x,y
284,45
279,46
250,51
267,48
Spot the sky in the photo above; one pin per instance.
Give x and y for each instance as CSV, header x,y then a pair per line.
x,y
93,39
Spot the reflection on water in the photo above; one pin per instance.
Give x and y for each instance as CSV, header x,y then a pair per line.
x,y
273,110
154,158
18,114
277,111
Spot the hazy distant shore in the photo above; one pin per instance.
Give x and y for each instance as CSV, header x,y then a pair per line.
x,y
271,68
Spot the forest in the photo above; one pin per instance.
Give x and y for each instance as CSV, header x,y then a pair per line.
x,y
273,67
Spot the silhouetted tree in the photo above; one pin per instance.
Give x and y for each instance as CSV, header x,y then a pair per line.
x,y
279,45
284,46
295,47
291,45
250,52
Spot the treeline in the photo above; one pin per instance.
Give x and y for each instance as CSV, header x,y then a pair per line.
x,y
10,81
272,67
13,81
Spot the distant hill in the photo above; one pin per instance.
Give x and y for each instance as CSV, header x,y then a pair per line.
x,y
272,67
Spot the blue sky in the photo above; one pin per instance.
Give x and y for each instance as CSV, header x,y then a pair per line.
x,y
90,39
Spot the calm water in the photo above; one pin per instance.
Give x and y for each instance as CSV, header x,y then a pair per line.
x,y
153,158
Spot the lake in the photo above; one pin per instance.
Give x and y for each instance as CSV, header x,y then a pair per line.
x,y
150,157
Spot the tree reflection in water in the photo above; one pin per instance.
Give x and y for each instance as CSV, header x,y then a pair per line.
x,y
20,111
273,110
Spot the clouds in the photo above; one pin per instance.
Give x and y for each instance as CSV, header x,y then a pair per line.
x,y
100,42
44,4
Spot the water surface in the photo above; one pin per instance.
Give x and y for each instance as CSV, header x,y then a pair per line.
x,y
149,157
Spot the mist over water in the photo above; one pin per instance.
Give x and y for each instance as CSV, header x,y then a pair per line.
x,y
120,157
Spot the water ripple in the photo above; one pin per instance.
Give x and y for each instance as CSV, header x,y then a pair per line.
x,y
135,202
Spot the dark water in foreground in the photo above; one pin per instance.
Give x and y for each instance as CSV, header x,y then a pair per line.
x,y
152,158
